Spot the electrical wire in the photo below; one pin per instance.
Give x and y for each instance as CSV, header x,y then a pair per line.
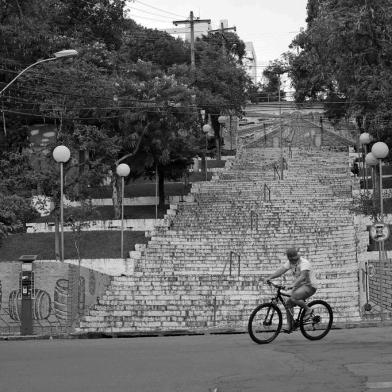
x,y
146,12
148,18
158,9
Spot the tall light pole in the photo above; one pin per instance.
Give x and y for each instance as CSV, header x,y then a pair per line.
x,y
379,151
58,55
364,140
61,154
206,129
221,121
122,170
281,129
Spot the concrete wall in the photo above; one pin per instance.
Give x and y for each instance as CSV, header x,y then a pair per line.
x,y
61,292
380,281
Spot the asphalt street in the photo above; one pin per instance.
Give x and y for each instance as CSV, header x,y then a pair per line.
x,y
347,360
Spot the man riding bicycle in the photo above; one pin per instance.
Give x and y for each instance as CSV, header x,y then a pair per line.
x,y
304,285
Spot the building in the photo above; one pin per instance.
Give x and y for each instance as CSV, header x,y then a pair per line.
x,y
250,61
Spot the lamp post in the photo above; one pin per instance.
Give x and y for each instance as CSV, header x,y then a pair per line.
x,y
206,129
379,151
58,55
122,170
364,140
61,154
221,121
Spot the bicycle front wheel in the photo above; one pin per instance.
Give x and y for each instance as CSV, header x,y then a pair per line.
x,y
265,323
320,323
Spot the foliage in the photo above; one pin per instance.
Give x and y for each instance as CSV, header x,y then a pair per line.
x,y
129,93
140,43
271,90
221,82
164,124
15,212
80,218
346,52
364,204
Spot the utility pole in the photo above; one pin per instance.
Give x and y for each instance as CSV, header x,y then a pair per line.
x,y
192,22
222,30
281,132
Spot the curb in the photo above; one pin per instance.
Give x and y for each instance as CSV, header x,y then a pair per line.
x,y
174,333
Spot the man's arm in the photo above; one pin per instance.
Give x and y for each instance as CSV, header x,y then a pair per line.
x,y
280,271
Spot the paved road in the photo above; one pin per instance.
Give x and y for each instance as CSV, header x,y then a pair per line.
x,y
352,360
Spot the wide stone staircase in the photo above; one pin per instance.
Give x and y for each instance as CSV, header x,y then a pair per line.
x,y
203,267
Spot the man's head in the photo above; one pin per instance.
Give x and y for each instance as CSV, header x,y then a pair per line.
x,y
292,255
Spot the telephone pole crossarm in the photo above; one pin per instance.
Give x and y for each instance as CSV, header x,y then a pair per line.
x,y
222,30
177,22
191,21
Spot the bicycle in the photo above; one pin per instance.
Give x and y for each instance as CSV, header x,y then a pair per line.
x,y
265,322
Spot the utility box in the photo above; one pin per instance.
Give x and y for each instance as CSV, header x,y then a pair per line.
x,y
27,294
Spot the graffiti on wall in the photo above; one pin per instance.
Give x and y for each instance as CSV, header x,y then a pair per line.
x,y
59,298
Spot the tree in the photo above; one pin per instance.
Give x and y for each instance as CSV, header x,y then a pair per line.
x,y
271,90
163,121
221,80
346,52
16,180
158,47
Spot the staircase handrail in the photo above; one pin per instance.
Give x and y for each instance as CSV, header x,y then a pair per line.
x,y
252,215
267,189
230,261
276,171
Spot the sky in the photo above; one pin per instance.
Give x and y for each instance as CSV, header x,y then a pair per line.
x,y
269,25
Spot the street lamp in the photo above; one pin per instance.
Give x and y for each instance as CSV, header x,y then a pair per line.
x,y
122,170
364,140
379,151
58,55
221,121
61,154
207,129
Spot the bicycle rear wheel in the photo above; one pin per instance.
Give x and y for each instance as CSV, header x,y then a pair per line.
x,y
320,323
265,323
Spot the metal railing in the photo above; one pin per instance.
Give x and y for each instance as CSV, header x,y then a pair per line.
x,y
238,260
276,172
254,217
230,262
267,190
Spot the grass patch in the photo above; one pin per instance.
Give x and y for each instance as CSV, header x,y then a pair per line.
x,y
94,244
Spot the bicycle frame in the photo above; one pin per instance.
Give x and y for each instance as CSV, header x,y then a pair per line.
x,y
279,297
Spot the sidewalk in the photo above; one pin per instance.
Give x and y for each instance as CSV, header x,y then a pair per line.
x,y
184,332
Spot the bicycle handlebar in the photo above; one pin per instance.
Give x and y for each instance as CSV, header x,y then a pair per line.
x,y
277,286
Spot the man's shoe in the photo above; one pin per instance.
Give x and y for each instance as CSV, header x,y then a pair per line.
x,y
287,330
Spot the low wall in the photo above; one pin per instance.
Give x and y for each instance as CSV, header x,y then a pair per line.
x,y
97,225
380,280
62,293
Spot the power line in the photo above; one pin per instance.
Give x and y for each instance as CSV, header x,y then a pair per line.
x,y
146,17
158,9
147,12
